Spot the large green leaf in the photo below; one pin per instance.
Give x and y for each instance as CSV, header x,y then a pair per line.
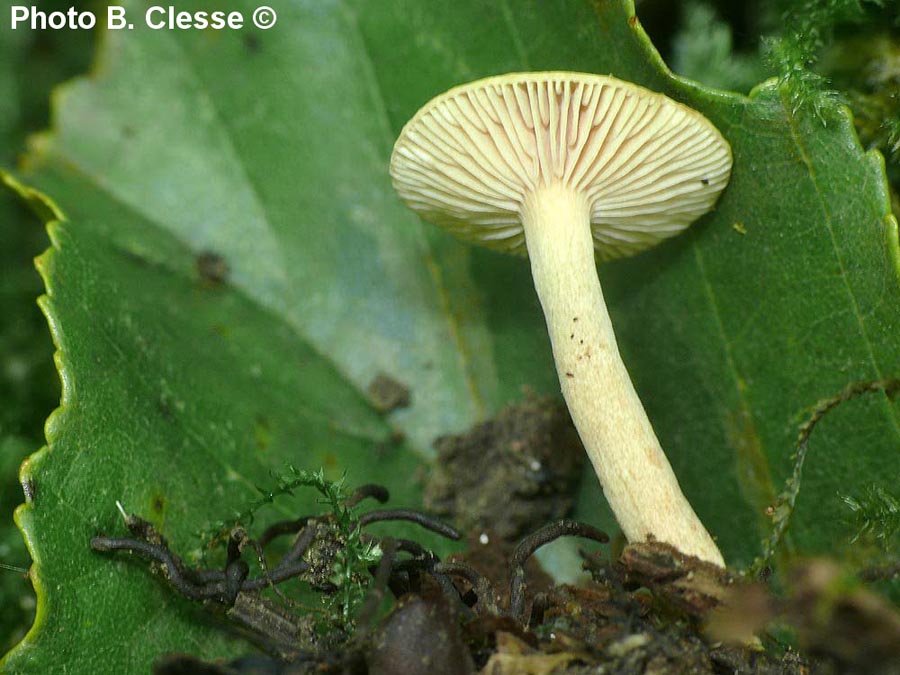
x,y
269,149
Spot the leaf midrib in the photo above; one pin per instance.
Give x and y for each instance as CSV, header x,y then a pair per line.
x,y
434,271
765,487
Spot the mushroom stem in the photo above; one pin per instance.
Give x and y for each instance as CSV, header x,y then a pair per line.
x,y
636,477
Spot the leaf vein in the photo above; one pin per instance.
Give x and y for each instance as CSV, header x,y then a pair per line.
x,y
828,221
443,296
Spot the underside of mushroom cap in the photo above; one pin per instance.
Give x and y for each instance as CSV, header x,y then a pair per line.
x,y
647,165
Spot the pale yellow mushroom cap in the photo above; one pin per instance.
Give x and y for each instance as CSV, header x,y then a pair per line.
x,y
649,166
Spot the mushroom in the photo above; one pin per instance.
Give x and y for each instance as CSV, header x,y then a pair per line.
x,y
557,165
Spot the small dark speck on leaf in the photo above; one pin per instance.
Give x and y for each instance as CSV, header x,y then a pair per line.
x,y
165,410
212,268
158,503
705,181
251,43
387,394
568,374
632,20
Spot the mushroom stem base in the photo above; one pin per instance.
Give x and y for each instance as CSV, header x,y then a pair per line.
x,y
637,479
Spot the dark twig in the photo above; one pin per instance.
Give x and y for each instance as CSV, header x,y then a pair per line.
x,y
548,533
235,575
281,528
420,554
214,590
450,592
412,516
484,589
369,491
526,548
415,548
302,543
406,575
467,572
170,563
415,564
236,539
276,576
238,591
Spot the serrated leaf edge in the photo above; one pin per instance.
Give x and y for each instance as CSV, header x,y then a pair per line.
x,y
48,211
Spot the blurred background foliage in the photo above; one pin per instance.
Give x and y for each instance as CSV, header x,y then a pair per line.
x,y
846,50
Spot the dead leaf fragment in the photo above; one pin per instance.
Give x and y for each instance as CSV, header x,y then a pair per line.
x,y
515,657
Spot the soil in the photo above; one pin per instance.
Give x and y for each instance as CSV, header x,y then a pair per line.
x,y
509,475
651,610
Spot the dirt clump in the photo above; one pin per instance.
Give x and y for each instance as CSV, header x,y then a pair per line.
x,y
509,475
